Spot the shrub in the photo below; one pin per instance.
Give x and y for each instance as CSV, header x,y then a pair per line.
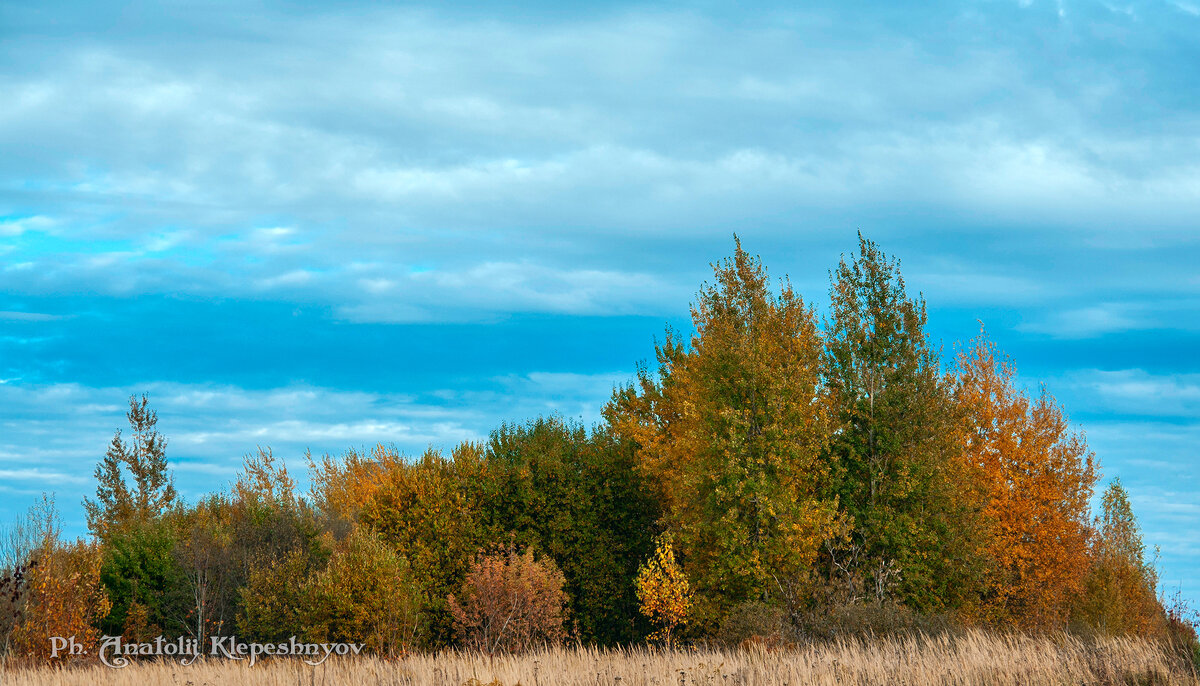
x,y
510,602
14,591
755,622
1181,623
364,594
20,545
886,618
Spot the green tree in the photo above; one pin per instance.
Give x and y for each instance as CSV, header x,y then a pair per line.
x,y
117,505
144,583
732,432
578,498
894,443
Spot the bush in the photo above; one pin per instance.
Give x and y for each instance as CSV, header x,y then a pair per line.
x,y
20,547
510,602
756,623
14,591
1181,623
872,619
364,594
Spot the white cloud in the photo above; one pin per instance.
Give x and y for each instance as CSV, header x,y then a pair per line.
x,y
16,227
51,436
1137,392
28,316
1087,322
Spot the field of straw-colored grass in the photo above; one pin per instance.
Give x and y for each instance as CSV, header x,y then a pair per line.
x,y
975,658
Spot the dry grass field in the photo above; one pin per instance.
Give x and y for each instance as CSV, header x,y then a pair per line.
x,y
976,658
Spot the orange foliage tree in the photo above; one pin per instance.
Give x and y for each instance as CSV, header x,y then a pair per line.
x,y
1037,476
341,487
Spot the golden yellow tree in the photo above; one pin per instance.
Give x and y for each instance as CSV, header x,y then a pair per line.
x,y
65,599
340,488
1037,477
663,590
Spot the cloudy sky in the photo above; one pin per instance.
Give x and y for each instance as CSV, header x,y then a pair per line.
x,y
326,225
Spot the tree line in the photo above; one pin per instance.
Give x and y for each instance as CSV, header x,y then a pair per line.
x,y
774,469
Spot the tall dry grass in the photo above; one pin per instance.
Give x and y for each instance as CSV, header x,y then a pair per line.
x,y
972,658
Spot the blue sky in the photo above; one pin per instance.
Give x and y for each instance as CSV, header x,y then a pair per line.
x,y
322,226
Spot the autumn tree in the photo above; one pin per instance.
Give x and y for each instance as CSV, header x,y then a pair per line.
x,y
363,593
63,595
1037,477
427,511
510,602
117,503
731,431
663,590
19,547
893,443
342,486
1120,590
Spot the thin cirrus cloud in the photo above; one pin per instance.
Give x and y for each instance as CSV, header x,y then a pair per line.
x,y
324,225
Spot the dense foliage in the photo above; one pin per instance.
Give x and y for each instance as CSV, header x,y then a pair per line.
x,y
774,476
